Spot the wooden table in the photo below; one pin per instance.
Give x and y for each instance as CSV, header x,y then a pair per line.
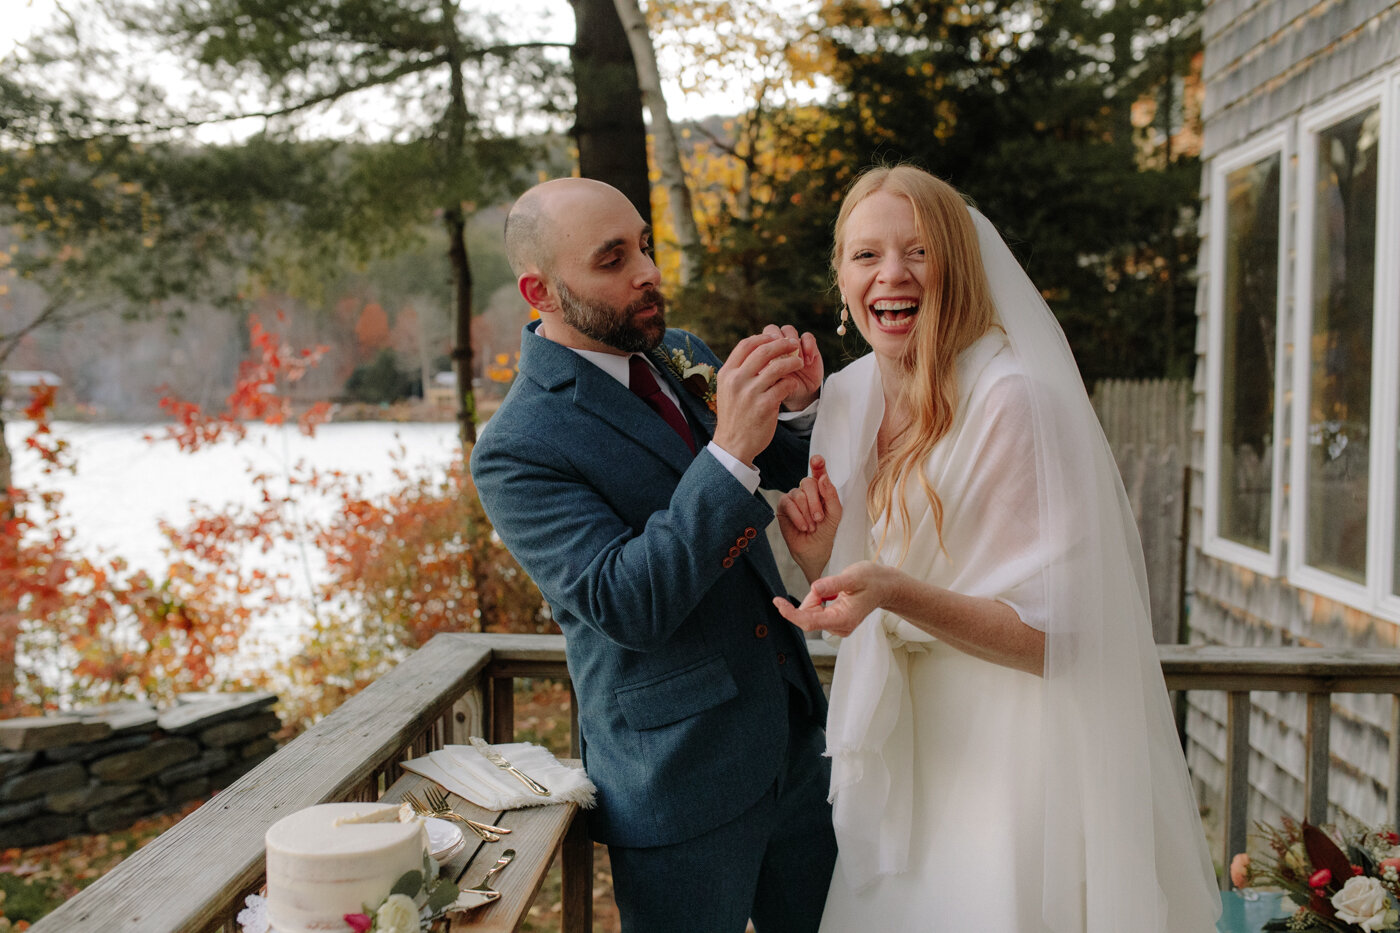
x,y
537,834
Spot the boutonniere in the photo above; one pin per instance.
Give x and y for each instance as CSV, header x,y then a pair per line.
x,y
698,378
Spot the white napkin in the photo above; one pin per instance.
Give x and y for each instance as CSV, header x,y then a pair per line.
x,y
464,771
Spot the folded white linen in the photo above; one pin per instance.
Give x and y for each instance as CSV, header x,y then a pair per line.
x,y
465,772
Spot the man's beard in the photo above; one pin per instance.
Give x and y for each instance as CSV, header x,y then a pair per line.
x,y
613,328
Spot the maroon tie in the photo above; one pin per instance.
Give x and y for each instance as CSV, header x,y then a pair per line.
x,y
643,384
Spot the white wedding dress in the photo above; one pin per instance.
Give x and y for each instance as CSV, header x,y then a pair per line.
x,y
968,796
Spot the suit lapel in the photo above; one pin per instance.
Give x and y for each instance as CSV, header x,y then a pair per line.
x,y
554,367
699,414
603,396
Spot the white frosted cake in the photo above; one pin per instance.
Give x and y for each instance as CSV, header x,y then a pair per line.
x,y
335,859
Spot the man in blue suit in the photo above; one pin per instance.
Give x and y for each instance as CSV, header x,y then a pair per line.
x,y
700,711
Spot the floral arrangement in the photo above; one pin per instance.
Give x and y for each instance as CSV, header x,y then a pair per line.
x,y
1345,884
698,378
398,912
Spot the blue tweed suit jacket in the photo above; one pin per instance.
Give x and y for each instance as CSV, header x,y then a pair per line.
x,y
656,567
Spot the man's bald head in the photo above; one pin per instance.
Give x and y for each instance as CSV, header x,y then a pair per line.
x,y
534,220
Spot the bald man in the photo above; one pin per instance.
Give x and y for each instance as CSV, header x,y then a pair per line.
x,y
633,506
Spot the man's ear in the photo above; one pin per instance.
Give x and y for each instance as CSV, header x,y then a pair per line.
x,y
534,290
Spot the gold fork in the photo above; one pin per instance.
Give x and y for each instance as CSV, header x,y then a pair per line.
x,y
437,799
423,809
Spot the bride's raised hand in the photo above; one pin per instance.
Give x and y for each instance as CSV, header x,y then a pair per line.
x,y
838,603
807,517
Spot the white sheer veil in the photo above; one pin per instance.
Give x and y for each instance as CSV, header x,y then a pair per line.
x,y
1123,846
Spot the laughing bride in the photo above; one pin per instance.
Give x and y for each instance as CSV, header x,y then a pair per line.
x,y
1003,753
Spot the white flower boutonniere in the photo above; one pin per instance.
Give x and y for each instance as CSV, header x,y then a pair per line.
x,y
698,378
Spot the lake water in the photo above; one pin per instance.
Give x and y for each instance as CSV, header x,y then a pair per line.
x,y
125,484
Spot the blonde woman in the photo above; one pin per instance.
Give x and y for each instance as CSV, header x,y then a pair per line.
x,y
1003,754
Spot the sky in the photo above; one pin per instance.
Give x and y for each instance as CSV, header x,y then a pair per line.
x,y
549,20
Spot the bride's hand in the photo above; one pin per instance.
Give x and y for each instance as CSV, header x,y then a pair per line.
x,y
808,516
838,603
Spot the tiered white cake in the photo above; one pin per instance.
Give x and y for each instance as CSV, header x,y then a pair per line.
x,y
335,859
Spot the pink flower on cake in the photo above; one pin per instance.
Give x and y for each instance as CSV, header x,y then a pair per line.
x,y
360,923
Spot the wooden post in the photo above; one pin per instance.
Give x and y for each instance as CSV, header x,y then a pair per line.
x,y
1236,776
1183,626
575,736
502,709
1393,793
1319,757
577,877
468,717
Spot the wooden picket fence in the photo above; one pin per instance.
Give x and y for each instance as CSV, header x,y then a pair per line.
x,y
1148,426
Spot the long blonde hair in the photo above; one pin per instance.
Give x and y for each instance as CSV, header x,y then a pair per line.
x,y
955,310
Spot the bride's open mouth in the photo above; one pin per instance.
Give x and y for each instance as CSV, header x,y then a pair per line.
x,y
895,315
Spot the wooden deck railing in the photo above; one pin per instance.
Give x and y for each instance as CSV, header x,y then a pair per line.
x,y
1317,673
193,878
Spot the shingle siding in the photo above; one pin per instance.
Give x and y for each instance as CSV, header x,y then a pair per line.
x,y
1265,64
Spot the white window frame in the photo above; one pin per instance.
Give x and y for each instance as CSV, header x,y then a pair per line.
x,y
1265,562
1387,333
1372,596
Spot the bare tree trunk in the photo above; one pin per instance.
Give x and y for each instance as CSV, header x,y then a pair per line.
x,y
664,143
454,218
9,608
608,125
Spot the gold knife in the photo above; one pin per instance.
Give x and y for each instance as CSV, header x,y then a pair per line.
x,y
493,756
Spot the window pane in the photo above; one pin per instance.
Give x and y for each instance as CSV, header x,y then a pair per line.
x,y
1343,287
1250,323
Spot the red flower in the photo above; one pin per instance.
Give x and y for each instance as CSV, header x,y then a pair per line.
x,y
1356,870
1319,879
1392,838
359,922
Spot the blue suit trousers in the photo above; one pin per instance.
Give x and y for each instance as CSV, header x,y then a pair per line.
x,y
772,864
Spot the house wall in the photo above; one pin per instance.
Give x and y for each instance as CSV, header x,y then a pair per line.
x,y
1267,62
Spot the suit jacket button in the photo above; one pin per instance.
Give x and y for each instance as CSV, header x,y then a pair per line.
x,y
734,551
727,563
760,630
750,533
782,658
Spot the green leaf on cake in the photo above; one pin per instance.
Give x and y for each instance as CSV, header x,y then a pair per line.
x,y
442,895
409,885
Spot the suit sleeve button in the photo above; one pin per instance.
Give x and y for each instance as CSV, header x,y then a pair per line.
x,y
727,563
742,542
734,551
760,630
750,533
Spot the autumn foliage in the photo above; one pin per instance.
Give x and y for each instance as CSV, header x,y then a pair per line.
x,y
378,576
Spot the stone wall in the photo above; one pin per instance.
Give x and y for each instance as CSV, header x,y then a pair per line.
x,y
97,770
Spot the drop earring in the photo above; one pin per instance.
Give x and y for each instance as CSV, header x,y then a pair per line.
x,y
841,328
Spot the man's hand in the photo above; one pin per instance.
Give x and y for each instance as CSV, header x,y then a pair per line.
x,y
806,383
751,386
